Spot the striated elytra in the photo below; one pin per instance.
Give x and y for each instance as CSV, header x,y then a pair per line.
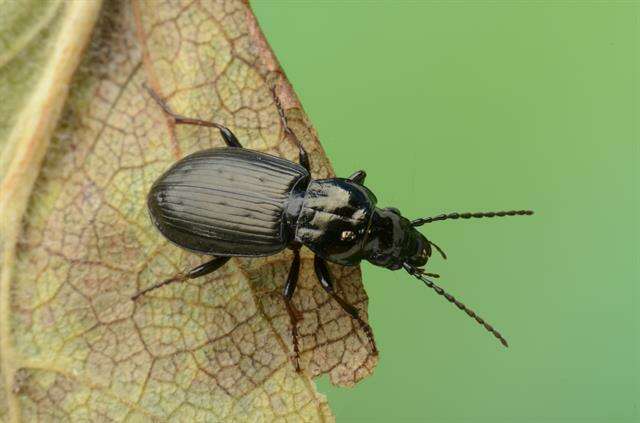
x,y
232,201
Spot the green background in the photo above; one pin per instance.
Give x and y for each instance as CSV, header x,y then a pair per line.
x,y
465,106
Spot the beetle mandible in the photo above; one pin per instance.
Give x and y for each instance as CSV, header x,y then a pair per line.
x,y
234,202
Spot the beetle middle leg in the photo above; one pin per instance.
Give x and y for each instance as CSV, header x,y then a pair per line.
x,y
201,270
322,272
303,157
228,136
294,315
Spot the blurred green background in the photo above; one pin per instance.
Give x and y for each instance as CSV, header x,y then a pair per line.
x,y
465,106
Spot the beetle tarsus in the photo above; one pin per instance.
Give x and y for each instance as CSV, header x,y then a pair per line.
x,y
303,157
322,272
229,138
178,278
294,315
159,100
201,270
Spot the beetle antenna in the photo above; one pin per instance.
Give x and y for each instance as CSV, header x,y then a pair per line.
x,y
468,215
419,273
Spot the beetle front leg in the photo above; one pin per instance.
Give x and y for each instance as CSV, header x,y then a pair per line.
x,y
228,136
322,272
358,177
294,315
196,272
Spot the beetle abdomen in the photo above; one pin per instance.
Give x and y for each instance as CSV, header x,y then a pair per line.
x,y
225,201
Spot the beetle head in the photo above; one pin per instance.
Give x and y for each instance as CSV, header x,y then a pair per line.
x,y
392,241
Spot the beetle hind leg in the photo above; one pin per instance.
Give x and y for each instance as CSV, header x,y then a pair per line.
x,y
303,157
294,315
228,136
201,270
322,272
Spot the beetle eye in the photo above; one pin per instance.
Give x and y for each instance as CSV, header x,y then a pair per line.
x,y
347,236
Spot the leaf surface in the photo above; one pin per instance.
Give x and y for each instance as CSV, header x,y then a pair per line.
x,y
77,241
25,38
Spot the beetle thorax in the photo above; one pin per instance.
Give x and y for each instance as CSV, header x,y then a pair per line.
x,y
334,219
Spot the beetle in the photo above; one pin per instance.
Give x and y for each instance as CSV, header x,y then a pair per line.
x,y
235,202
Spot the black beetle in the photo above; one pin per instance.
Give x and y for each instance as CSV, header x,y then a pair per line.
x,y
233,202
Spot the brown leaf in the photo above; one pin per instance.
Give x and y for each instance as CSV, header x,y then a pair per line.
x,y
73,344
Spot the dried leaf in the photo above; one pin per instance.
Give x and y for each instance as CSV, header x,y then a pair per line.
x,y
73,344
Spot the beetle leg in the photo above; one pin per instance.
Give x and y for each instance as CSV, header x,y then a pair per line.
x,y
294,315
196,272
322,272
226,133
358,177
303,157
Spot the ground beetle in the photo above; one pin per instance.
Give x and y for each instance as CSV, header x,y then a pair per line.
x,y
233,202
